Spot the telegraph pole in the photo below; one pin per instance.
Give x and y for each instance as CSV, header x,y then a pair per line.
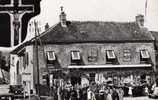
x,y
37,61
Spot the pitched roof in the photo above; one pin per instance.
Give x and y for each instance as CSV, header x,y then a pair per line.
x,y
92,31
95,31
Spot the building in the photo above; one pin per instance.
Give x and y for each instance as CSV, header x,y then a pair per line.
x,y
83,52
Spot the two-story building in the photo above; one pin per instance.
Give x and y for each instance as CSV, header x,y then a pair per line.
x,y
82,52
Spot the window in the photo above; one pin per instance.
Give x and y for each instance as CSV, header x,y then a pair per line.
x,y
17,67
92,55
126,55
110,57
51,56
144,54
27,58
75,55
110,54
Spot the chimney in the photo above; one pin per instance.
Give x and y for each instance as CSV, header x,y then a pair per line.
x,y
62,18
140,20
46,26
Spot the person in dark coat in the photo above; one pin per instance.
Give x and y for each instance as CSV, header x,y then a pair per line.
x,y
73,94
115,95
84,93
66,94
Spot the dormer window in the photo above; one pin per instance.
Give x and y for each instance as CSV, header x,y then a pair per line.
x,y
75,58
75,55
50,56
92,55
144,56
110,54
126,55
110,57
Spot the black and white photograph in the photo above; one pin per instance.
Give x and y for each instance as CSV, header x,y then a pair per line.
x,y
78,49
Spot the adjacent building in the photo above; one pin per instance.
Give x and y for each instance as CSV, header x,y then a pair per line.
x,y
84,52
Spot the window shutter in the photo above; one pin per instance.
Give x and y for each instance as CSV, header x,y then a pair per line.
x,y
27,58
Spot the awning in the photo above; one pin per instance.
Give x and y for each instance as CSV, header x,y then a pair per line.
x,y
110,66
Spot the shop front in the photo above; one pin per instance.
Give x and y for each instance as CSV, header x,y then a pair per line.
x,y
117,74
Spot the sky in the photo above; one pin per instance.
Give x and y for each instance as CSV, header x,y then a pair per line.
x,y
98,10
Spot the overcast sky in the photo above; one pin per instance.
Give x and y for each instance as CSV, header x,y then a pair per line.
x,y
98,10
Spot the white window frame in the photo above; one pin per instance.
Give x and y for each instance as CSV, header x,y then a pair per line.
x,y
109,56
48,56
73,56
146,55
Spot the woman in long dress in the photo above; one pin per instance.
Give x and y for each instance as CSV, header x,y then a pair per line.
x,y
130,91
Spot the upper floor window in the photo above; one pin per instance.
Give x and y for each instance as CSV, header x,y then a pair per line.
x,y
25,60
126,55
75,58
92,55
50,57
75,55
110,54
144,56
110,57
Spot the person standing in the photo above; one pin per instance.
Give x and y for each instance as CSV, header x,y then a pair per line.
x,y
109,94
115,95
90,94
84,93
67,93
59,90
73,94
130,91
120,93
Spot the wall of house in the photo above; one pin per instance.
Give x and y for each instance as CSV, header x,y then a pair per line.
x,y
25,72
64,58
13,72
27,68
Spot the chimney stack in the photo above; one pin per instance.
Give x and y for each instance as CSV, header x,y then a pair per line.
x,y
62,17
140,20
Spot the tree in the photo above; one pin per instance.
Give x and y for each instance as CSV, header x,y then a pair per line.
x,y
3,64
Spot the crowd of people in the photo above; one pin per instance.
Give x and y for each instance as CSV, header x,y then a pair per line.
x,y
87,92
